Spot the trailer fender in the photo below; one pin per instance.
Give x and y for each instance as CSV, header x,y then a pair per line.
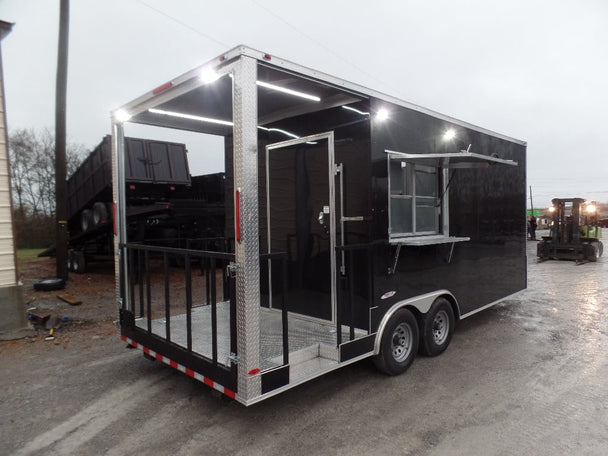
x,y
421,303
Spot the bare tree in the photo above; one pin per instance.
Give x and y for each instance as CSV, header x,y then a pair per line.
x,y
32,158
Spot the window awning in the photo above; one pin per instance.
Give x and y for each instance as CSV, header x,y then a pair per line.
x,y
453,159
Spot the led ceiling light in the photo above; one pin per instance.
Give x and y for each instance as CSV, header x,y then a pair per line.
x,y
288,91
190,117
382,114
209,75
356,110
217,121
449,134
122,116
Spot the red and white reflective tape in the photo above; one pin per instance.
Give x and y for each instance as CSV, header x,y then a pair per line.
x,y
201,378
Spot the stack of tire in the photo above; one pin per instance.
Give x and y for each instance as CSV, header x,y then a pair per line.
x,y
90,219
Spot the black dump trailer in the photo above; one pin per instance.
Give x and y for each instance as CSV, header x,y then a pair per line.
x,y
357,226
162,206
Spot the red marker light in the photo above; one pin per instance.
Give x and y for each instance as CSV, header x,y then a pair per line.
x,y
131,187
172,188
254,371
165,86
237,214
222,58
267,56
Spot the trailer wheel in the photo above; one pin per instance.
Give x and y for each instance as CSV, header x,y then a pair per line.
x,y
86,220
79,264
70,260
100,213
399,344
437,328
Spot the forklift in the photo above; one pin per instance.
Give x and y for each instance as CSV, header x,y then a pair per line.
x,y
574,233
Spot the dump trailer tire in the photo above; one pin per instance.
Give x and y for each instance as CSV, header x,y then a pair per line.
x,y
70,260
437,328
79,264
86,220
100,213
399,343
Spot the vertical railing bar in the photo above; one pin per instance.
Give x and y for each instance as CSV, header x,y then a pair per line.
x,y
167,298
370,278
204,245
148,292
213,314
338,311
140,280
205,262
132,271
284,311
188,304
351,293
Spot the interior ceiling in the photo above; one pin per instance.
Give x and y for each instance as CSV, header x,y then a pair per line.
x,y
214,101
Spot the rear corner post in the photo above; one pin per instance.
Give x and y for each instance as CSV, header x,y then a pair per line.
x,y
245,113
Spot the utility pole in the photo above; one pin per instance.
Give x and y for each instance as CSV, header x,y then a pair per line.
x,y
531,203
61,239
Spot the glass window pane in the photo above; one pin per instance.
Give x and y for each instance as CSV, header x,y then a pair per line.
x,y
396,177
401,215
426,216
426,183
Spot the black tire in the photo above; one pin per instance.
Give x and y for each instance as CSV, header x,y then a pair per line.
x,y
79,265
70,260
399,344
437,327
49,285
86,220
100,213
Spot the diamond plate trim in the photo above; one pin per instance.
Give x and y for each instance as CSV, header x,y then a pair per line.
x,y
118,199
245,116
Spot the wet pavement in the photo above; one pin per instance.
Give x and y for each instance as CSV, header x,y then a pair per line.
x,y
528,376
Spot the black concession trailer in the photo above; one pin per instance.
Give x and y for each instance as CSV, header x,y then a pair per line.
x,y
357,226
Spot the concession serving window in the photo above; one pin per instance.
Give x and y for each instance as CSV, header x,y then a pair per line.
x,y
418,194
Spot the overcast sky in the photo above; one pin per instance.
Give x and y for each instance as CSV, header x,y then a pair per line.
x,y
536,70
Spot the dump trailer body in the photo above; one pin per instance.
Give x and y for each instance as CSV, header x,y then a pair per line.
x,y
357,225
151,167
164,204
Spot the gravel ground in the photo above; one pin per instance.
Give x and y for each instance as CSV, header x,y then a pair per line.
x,y
528,376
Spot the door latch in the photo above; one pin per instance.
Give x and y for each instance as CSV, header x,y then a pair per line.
x,y
232,269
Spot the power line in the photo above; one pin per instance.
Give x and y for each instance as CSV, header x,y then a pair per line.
x,y
183,24
320,44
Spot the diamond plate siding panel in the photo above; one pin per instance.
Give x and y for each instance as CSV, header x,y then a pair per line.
x,y
117,184
245,111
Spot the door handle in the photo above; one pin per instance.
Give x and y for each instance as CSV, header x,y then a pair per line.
x,y
321,218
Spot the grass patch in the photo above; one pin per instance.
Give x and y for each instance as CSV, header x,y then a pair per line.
x,y
27,255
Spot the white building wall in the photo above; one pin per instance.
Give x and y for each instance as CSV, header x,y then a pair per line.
x,y
8,275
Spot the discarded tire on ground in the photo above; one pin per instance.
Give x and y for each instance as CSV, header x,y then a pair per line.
x,y
49,284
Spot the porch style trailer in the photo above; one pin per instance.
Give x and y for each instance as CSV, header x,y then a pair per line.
x,y
357,226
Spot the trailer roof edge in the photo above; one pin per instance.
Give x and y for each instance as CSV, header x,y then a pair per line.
x,y
272,60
